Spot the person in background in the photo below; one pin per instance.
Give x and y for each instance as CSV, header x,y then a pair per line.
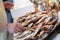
x,y
9,5
10,27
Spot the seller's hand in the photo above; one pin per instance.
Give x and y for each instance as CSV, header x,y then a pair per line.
x,y
15,28
8,5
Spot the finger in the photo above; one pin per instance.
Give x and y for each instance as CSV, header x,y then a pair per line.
x,y
15,31
19,27
18,30
22,28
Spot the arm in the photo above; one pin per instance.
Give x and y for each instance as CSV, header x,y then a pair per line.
x,y
12,27
3,20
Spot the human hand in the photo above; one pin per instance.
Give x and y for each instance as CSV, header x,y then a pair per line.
x,y
15,28
8,5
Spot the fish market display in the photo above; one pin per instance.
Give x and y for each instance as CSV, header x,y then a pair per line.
x,y
39,25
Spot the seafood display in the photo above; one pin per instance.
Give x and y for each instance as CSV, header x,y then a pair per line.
x,y
39,25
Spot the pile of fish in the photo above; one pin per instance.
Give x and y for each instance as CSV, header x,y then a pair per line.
x,y
39,25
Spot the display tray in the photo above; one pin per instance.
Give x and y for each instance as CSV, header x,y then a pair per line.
x,y
39,25
55,34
